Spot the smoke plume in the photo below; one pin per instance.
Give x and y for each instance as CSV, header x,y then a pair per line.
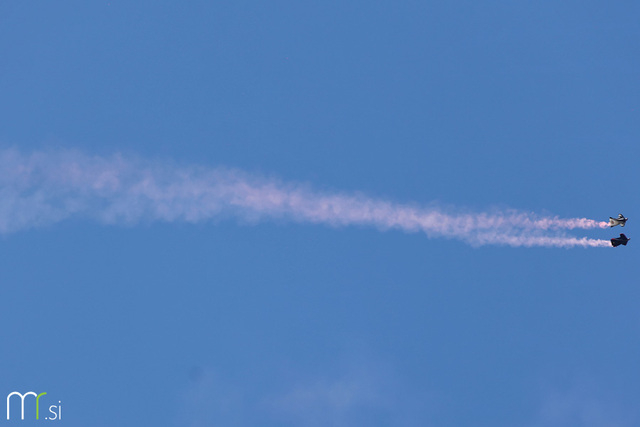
x,y
43,188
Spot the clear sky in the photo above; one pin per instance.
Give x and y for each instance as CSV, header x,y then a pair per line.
x,y
235,322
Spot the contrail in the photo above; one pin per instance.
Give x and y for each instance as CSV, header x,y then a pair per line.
x,y
43,188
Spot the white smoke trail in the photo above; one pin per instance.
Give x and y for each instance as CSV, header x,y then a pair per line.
x,y
43,188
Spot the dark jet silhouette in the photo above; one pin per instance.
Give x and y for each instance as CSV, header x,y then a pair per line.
x,y
617,241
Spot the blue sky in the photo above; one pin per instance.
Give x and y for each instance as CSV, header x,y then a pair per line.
x,y
524,105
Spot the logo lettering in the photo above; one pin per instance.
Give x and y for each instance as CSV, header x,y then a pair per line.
x,y
55,416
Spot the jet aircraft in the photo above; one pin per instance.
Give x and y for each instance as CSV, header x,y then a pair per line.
x,y
621,220
617,241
